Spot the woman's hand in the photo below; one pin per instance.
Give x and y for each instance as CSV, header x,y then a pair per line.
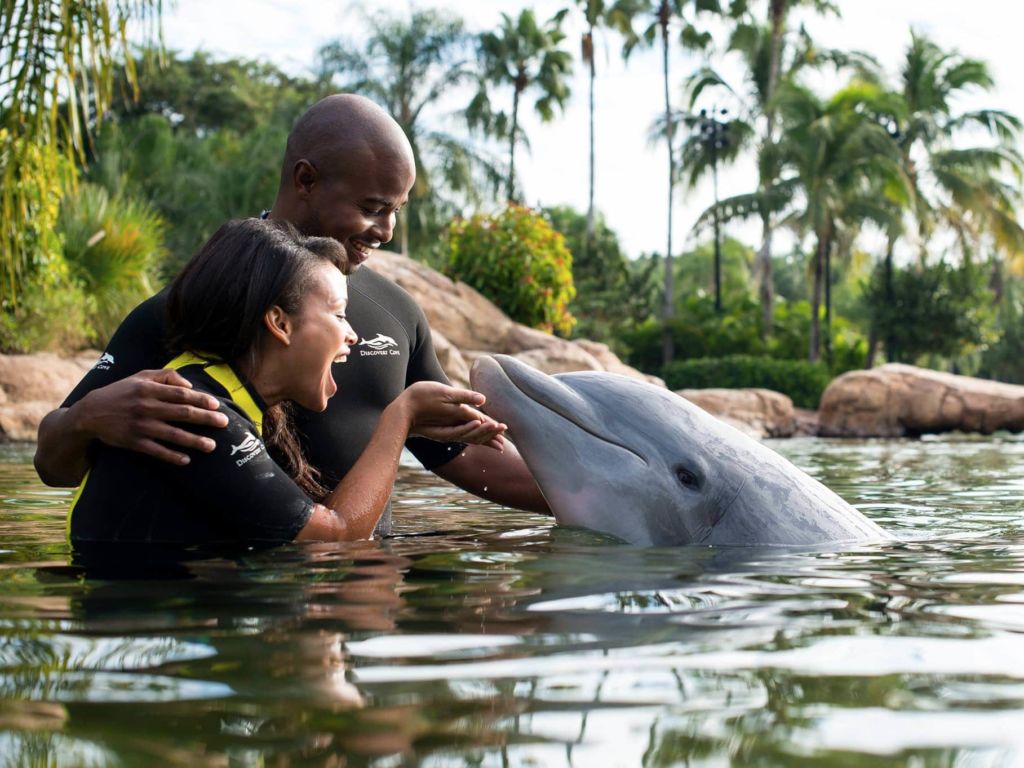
x,y
449,414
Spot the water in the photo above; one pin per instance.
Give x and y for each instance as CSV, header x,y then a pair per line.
x,y
482,637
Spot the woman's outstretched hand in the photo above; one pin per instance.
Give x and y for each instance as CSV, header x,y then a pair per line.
x,y
450,414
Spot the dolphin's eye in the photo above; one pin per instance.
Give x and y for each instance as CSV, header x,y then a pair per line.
x,y
688,478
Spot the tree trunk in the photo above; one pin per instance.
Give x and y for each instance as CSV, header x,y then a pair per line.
x,y
814,347
766,285
718,229
588,55
664,13
513,137
777,19
869,359
827,336
763,266
890,341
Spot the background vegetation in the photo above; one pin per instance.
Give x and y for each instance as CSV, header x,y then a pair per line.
x,y
118,162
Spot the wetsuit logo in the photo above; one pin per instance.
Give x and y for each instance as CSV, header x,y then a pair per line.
x,y
105,363
379,345
250,448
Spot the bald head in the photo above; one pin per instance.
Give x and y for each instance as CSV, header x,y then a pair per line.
x,y
343,131
348,170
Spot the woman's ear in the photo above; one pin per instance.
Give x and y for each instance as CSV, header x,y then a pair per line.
x,y
279,324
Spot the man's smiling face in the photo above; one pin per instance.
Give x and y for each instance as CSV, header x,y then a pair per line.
x,y
358,205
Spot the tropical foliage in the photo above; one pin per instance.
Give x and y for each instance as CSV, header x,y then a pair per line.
x,y
113,247
528,57
933,310
802,381
895,208
57,64
519,261
611,291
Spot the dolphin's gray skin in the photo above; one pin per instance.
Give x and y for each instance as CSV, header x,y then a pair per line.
x,y
625,457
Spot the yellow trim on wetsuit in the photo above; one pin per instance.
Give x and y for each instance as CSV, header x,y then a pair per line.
x,y
219,372
227,378
74,500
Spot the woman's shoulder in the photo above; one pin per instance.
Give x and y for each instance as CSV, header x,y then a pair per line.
x,y
202,381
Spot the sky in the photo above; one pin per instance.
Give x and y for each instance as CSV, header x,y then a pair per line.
x,y
631,176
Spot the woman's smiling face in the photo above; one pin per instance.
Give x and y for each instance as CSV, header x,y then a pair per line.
x,y
321,336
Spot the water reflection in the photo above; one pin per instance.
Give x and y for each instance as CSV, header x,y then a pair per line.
x,y
487,637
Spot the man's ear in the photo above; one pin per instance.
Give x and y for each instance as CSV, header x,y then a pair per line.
x,y
304,176
279,324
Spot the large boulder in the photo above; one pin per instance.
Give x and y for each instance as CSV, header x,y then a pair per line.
x,y
33,385
760,412
896,400
610,362
452,361
42,376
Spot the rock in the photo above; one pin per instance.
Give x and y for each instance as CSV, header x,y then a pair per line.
x,y
451,360
807,423
20,421
611,362
43,376
896,400
33,385
761,412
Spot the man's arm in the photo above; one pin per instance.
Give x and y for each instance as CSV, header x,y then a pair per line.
x,y
501,477
125,402
132,413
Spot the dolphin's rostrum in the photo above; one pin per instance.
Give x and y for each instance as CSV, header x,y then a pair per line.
x,y
622,456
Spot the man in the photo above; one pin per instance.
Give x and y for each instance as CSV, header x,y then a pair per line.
x,y
347,171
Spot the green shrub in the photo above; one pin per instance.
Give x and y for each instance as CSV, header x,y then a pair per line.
x,y
517,261
50,317
113,246
802,381
930,311
698,331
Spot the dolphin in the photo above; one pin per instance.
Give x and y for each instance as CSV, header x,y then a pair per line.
x,y
625,457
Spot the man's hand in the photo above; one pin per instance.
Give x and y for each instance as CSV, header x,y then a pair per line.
x,y
133,413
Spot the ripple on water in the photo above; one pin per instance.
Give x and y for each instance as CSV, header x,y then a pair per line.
x,y
482,636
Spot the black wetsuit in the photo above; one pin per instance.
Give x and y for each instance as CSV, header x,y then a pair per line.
x,y
394,351
235,495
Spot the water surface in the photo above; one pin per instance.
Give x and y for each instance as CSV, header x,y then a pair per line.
x,y
484,637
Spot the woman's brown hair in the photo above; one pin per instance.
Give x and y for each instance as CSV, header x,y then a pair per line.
x,y
217,303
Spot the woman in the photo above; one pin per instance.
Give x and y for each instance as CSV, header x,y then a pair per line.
x,y
256,319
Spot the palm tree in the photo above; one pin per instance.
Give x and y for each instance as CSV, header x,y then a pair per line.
x,y
526,56
769,55
407,64
56,75
838,168
598,13
962,190
844,165
660,14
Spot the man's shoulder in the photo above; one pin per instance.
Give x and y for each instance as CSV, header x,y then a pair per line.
x,y
371,283
152,313
368,286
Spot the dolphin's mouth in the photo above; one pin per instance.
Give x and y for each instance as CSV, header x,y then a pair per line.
x,y
533,391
